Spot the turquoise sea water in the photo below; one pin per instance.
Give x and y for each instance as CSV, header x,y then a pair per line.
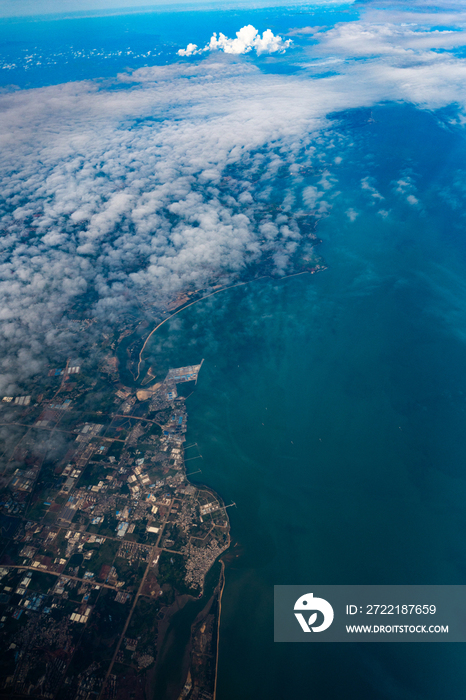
x,y
332,410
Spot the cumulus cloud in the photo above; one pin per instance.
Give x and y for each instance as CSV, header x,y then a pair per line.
x,y
352,214
121,195
247,39
367,185
405,186
190,50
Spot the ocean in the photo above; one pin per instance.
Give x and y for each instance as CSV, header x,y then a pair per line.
x,y
331,409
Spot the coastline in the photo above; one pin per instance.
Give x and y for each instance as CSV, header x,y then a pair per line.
x,y
184,305
188,675
222,574
178,310
181,631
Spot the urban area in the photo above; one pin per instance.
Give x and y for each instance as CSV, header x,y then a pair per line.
x,y
105,539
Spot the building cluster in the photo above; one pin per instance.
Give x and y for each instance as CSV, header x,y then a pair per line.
x,y
93,524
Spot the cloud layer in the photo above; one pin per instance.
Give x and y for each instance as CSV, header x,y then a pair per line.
x,y
247,39
127,196
120,195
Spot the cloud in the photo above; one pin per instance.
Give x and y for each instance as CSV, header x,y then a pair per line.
x,y
352,214
15,8
364,39
405,186
366,184
247,39
190,50
126,196
302,31
118,195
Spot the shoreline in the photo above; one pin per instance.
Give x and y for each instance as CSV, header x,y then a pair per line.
x,y
222,563
179,310
190,671
222,574
184,306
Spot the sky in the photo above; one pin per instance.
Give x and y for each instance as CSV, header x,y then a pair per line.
x,y
124,192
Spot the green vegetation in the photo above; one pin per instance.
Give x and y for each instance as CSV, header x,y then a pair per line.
x,y
59,543
38,510
105,554
108,527
50,517
172,571
131,574
162,416
10,553
91,475
144,622
138,535
75,560
41,582
115,450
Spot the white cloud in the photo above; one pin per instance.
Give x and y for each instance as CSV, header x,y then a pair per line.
x,y
405,187
169,177
311,195
247,39
366,184
352,214
404,184
100,200
363,38
190,50
15,8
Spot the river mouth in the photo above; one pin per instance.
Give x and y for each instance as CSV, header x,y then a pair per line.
x,y
175,643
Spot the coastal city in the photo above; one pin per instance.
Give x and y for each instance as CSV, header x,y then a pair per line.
x,y
104,538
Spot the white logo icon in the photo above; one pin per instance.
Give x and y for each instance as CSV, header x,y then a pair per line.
x,y
308,603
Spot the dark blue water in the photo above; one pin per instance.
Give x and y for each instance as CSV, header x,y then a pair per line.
x,y
332,410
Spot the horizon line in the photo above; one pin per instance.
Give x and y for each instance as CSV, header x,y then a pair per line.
x,y
150,6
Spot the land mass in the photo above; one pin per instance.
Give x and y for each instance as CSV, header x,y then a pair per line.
x,y
105,541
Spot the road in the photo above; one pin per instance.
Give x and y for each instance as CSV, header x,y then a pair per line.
x,y
136,597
